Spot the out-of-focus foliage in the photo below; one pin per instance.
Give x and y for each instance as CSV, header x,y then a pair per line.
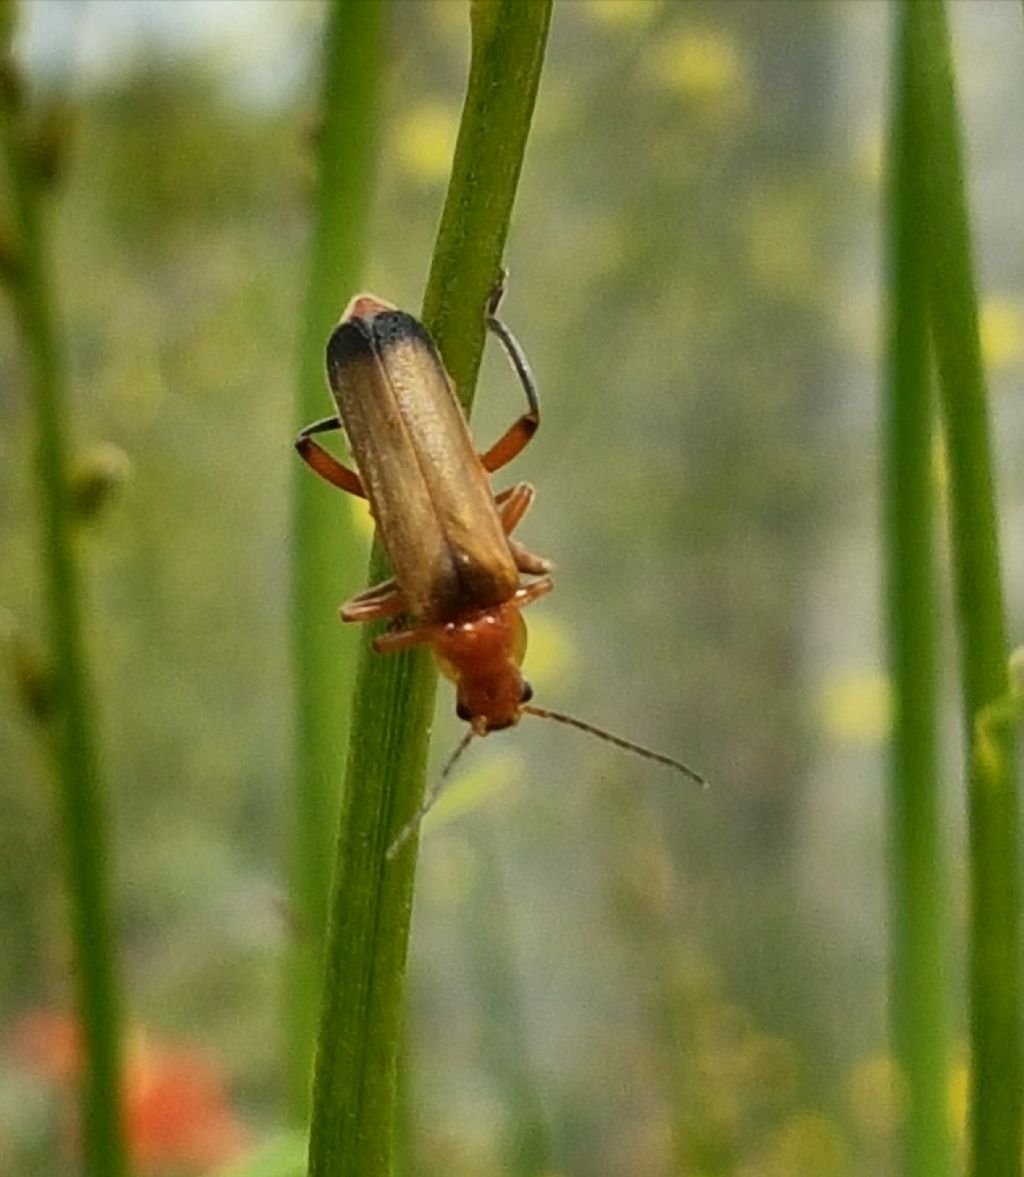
x,y
697,979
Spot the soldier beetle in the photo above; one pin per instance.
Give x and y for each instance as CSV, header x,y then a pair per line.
x,y
458,575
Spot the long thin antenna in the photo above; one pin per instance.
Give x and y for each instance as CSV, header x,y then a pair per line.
x,y
618,741
413,824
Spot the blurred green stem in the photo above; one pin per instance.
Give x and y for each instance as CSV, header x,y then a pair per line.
x,y
360,1029
491,949
919,948
80,788
323,532
995,979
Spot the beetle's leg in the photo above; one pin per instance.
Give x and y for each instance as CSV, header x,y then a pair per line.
x,y
514,504
532,591
324,463
324,425
376,604
387,643
518,436
527,562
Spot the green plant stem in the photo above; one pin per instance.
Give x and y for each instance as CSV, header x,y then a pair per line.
x,y
324,654
360,1029
83,806
995,971
919,939
508,50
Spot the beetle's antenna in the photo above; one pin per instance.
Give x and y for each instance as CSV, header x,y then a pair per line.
x,y
618,741
432,794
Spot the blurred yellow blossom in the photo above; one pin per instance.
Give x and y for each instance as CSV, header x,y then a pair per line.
x,y
616,14
1002,331
425,141
809,1144
699,65
553,657
780,246
450,22
874,1095
855,706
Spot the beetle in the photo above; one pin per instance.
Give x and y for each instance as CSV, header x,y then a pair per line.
x,y
457,570
459,578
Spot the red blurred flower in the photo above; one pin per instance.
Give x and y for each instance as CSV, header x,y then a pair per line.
x,y
177,1111
48,1043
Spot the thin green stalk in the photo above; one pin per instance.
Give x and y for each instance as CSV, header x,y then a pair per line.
x,y
507,53
919,938
995,972
324,655
81,795
360,1030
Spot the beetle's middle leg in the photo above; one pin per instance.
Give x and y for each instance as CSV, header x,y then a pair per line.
x,y
513,505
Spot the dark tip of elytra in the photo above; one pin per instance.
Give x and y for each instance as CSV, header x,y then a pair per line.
x,y
348,341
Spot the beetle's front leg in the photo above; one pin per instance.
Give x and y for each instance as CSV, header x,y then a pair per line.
x,y
520,433
324,463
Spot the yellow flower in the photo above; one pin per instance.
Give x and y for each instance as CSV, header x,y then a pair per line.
x,y
874,1094
780,244
1002,331
810,1144
616,14
855,707
552,654
425,141
699,65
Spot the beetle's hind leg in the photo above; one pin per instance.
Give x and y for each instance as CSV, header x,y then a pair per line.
x,y
324,463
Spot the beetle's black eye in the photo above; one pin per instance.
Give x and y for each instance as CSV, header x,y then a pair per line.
x,y
527,694
462,711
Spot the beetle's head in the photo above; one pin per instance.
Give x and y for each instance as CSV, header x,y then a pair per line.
x,y
482,655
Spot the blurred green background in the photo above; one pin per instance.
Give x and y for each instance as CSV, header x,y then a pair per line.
x,y
607,967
